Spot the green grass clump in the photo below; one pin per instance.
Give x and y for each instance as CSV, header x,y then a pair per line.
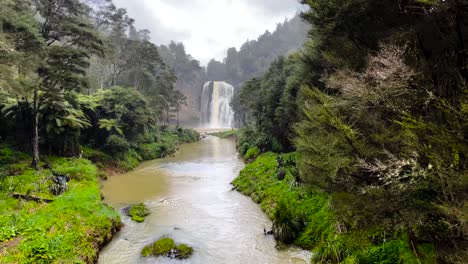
x,y
163,246
184,251
71,229
147,251
138,212
252,153
167,247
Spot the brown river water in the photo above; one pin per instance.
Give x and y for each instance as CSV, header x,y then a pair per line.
x,y
191,201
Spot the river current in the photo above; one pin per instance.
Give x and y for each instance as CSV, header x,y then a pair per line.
x,y
190,199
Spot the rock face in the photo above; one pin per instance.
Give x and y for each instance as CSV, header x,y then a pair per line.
x,y
190,114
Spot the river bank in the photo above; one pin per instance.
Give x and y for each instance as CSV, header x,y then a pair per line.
x,y
37,226
305,218
69,228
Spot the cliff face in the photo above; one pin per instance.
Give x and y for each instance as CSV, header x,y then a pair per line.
x,y
190,113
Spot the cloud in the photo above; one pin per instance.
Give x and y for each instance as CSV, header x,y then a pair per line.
x,y
207,27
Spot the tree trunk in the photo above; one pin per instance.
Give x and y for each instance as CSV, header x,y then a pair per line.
x,y
35,139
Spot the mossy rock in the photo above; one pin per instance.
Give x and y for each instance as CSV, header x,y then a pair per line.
x,y
184,251
138,212
147,251
167,247
163,246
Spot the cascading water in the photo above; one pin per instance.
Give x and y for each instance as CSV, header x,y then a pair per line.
x,y
216,109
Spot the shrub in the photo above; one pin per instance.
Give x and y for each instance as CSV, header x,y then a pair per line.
x,y
7,233
252,153
116,144
244,148
286,223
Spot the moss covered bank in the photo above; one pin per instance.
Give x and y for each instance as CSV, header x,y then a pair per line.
x,y
56,214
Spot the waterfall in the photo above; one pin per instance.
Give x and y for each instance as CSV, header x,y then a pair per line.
x,y
215,105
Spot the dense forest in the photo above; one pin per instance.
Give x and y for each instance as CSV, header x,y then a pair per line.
x,y
255,56
62,76
376,109
354,114
83,95
191,77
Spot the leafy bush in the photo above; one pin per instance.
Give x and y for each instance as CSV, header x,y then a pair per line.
x,y
39,252
129,160
252,153
116,144
8,232
8,156
244,148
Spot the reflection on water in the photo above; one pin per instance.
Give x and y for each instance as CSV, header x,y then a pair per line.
x,y
191,201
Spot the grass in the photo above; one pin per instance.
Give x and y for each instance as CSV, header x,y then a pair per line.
x,y
165,246
138,212
71,229
306,219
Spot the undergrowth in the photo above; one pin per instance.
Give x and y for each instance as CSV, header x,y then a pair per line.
x,y
71,229
306,219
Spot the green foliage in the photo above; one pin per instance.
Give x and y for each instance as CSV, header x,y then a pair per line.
x,y
70,229
296,212
39,252
184,251
7,233
227,134
138,212
163,246
116,145
111,125
306,219
147,251
9,156
252,153
255,56
285,223
167,247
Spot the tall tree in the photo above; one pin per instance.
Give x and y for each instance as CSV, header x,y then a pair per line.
x,y
68,41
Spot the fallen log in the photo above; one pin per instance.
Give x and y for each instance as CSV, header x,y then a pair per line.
x,y
30,198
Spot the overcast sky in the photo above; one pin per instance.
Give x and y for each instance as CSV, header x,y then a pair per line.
x,y
208,27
